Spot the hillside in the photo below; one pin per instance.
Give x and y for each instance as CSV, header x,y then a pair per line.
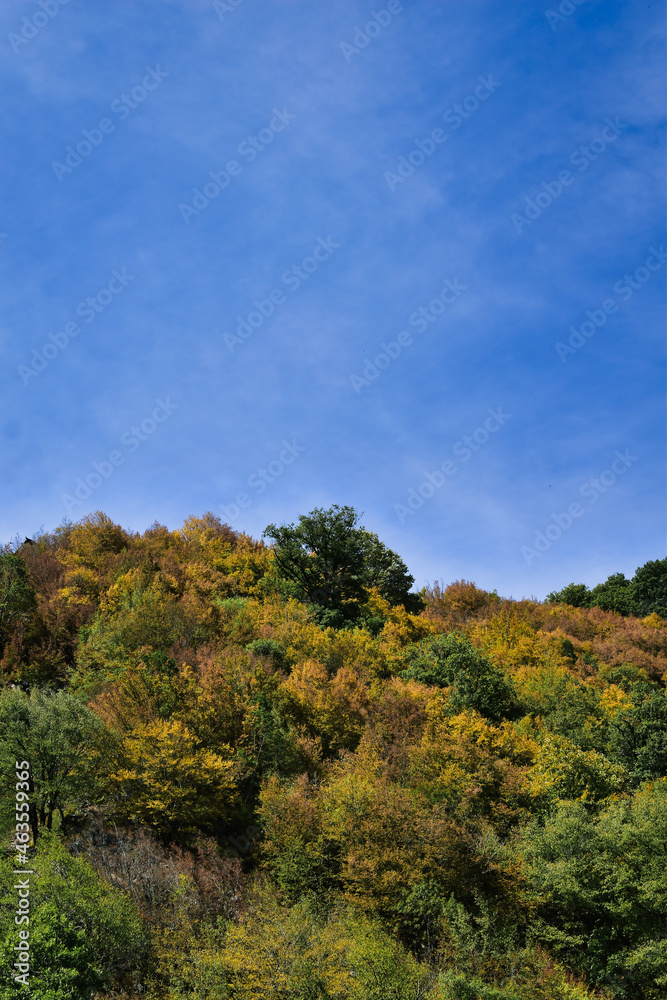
x,y
273,770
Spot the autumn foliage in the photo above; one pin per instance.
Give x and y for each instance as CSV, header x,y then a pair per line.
x,y
267,790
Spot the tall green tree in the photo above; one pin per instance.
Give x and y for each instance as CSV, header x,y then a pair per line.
x,y
64,744
577,595
615,594
649,585
331,562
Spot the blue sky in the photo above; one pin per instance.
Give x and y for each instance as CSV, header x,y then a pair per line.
x,y
494,165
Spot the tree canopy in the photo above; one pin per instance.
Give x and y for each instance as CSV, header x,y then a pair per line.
x,y
644,594
331,562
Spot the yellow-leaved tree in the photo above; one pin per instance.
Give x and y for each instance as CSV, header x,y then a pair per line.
x,y
477,768
169,781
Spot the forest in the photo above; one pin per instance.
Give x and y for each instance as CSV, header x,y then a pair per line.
x,y
239,769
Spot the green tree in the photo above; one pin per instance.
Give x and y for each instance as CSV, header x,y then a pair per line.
x,y
615,594
452,661
568,706
577,595
638,736
644,594
649,586
420,911
271,649
331,563
83,934
601,878
64,744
